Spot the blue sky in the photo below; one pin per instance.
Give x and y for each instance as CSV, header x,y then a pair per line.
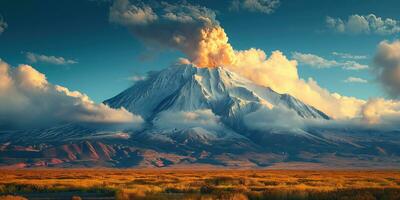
x,y
107,54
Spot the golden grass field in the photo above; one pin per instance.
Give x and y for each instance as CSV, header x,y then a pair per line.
x,y
204,184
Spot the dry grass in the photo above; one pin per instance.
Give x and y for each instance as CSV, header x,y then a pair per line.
x,y
11,197
222,184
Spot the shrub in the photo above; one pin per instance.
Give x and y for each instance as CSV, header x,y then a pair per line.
x,y
76,198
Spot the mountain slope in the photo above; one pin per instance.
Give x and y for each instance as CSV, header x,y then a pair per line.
x,y
201,116
189,88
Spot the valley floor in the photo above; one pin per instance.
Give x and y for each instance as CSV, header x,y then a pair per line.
x,y
199,184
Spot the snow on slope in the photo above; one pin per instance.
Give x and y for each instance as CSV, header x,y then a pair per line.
x,y
61,133
188,88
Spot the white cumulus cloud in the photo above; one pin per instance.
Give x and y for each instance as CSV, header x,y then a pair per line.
x,y
277,117
382,112
313,60
352,79
320,62
28,100
349,56
35,58
364,24
189,119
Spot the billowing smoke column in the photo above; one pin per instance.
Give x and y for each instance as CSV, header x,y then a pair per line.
x,y
213,49
187,28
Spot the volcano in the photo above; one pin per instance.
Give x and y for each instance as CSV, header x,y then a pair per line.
x,y
189,88
204,117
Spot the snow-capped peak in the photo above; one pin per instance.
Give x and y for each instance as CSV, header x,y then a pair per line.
x,y
189,88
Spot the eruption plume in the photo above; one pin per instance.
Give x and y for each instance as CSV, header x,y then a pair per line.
x,y
195,31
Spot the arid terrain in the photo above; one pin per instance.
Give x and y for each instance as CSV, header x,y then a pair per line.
x,y
198,184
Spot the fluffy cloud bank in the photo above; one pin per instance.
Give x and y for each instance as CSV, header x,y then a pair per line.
x,y
263,6
364,24
280,73
192,119
387,67
34,58
381,111
319,62
28,100
276,118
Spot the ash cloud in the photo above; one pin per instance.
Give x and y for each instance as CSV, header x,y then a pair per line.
x,y
387,67
188,28
261,6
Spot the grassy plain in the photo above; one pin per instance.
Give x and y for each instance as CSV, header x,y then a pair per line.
x,y
203,184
